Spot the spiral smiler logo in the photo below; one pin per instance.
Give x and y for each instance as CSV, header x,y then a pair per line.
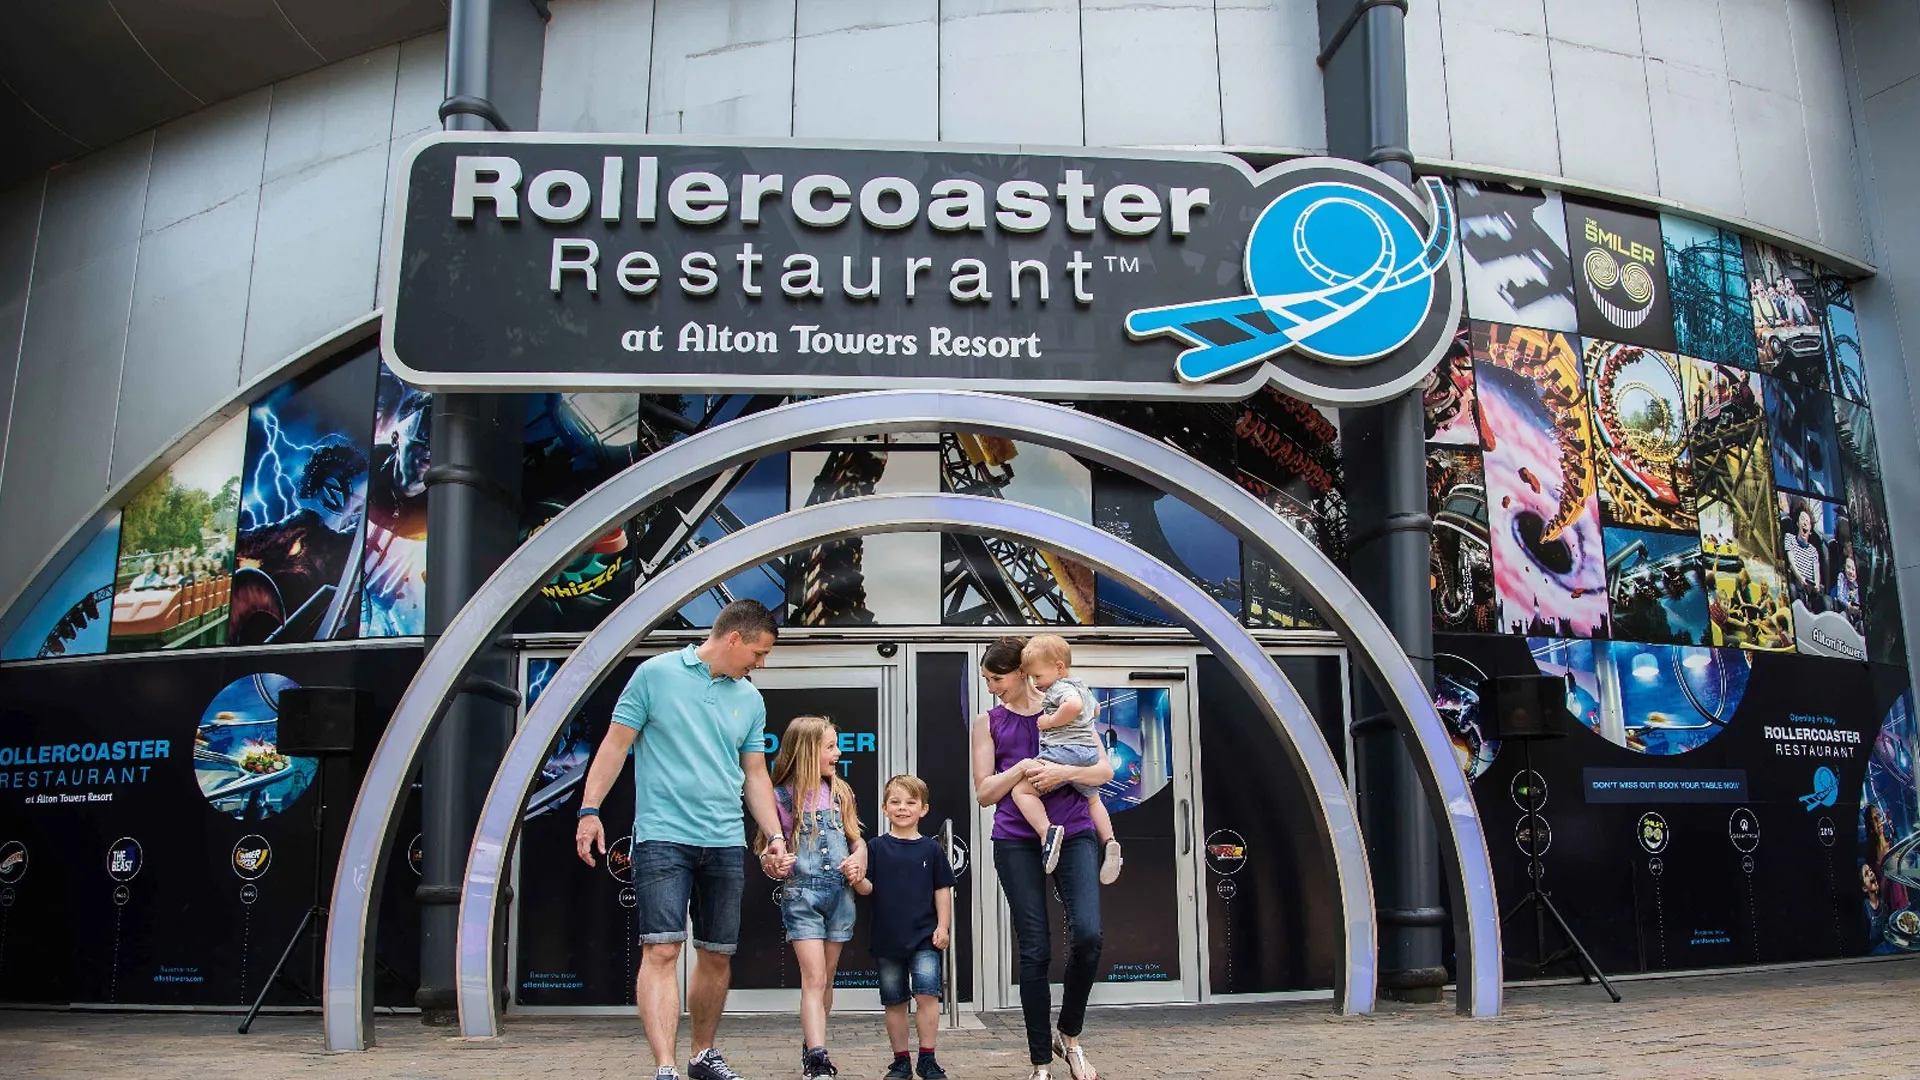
x,y
1619,279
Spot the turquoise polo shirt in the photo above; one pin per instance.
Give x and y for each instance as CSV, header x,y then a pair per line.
x,y
693,726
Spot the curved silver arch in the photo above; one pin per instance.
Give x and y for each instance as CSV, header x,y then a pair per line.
x,y
657,600
348,1006
16,609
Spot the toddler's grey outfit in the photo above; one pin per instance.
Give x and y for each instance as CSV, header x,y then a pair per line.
x,y
1077,743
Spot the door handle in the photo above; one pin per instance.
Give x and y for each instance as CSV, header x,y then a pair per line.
x,y
1186,828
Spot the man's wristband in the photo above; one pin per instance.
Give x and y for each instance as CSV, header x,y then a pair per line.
x,y
587,811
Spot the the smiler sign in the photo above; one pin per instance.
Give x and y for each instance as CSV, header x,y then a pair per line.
x,y
570,262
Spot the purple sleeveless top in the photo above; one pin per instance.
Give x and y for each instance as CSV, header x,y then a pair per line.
x,y
1016,737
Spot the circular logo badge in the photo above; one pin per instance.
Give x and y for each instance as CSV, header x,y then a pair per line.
x,y
249,893
1746,863
1534,835
124,859
1656,867
251,857
1529,790
958,857
13,862
620,860
1226,852
628,898
417,856
1652,833
1743,828
121,894
1825,830
6,896
1226,889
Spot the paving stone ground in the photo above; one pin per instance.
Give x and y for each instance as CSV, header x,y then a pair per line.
x,y
1853,1020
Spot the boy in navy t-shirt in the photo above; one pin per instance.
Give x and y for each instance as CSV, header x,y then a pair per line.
x,y
912,888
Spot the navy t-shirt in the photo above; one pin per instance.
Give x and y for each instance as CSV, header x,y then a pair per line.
x,y
905,874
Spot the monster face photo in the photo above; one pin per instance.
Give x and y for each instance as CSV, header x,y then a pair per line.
x,y
303,496
1513,241
1620,276
1640,437
396,545
1712,309
1549,565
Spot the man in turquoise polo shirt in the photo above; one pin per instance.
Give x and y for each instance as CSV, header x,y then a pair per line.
x,y
697,729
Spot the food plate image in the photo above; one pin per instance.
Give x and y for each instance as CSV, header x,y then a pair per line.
x,y
1903,929
236,761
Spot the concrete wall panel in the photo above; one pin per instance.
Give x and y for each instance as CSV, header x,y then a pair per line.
x,y
1606,132
19,227
598,63
1500,92
1152,73
1010,72
1698,156
722,67
867,70
207,158
1429,129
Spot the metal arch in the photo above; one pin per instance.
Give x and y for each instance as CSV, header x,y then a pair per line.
x,y
346,1003
666,592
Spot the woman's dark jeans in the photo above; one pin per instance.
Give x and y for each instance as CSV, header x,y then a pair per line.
x,y
1078,877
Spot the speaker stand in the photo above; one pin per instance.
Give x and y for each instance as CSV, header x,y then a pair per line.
x,y
1542,904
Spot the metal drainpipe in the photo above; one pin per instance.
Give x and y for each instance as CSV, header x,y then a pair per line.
x,y
473,517
1364,67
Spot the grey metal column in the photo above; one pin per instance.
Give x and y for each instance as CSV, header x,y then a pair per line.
x,y
473,514
1364,65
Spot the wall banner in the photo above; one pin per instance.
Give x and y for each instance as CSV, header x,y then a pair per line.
x,y
550,261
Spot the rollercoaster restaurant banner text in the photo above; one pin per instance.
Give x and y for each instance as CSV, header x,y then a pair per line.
x,y
560,262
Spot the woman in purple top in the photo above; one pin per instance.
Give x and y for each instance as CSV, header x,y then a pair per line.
x,y
1005,742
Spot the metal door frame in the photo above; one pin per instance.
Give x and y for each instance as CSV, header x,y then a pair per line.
x,y
796,666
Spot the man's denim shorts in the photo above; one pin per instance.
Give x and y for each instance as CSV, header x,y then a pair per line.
x,y
916,976
670,878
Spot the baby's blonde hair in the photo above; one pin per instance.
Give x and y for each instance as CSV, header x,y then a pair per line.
x,y
1047,649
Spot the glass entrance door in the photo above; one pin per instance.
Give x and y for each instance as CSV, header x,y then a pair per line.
x,y
1149,915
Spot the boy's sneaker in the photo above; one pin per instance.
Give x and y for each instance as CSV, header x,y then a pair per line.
x,y
930,1069
1110,863
710,1066
815,1062
901,1069
1050,846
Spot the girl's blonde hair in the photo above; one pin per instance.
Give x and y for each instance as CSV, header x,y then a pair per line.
x,y
797,768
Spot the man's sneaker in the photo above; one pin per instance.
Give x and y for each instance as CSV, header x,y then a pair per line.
x,y
1078,1066
710,1066
1110,863
1050,846
815,1062
901,1069
930,1069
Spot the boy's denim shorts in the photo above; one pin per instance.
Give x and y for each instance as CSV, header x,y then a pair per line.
x,y
1077,755
817,909
916,976
668,878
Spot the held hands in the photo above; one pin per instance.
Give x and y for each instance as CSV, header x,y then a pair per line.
x,y
854,866
775,862
589,837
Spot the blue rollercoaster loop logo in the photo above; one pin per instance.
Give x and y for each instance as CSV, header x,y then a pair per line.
x,y
1333,269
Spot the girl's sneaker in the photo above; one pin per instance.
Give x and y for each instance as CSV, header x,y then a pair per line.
x,y
1050,846
1078,1066
1040,1072
901,1069
816,1063
1110,863
930,1069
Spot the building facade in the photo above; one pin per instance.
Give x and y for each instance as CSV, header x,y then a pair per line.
x,y
1666,458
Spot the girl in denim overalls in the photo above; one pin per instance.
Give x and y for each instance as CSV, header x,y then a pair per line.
x,y
816,902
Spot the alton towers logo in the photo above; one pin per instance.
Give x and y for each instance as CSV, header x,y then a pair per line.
x,y
1344,268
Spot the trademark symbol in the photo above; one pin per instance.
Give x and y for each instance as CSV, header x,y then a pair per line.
x,y
1123,264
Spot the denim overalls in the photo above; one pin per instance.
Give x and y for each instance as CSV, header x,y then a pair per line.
x,y
816,903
